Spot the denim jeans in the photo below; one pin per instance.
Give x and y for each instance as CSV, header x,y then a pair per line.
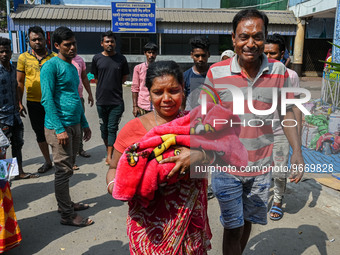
x,y
109,118
241,198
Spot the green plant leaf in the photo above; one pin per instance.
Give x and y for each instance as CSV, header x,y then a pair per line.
x,y
330,63
334,69
335,45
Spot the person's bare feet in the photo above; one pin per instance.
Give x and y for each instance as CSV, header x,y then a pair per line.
x,y
75,167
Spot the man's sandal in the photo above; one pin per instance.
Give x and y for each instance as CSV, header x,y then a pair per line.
x,y
44,168
277,210
71,222
84,154
26,176
77,207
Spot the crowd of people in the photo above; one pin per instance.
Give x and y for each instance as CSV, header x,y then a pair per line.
x,y
175,220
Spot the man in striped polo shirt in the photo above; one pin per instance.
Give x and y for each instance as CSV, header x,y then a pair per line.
x,y
243,193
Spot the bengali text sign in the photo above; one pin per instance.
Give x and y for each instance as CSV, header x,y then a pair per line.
x,y
133,17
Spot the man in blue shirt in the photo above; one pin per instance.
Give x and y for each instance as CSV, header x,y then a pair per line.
x,y
64,119
195,76
10,121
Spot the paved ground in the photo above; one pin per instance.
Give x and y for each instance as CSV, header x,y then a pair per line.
x,y
310,224
313,84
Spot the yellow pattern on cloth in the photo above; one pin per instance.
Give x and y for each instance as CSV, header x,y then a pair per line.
x,y
168,141
10,235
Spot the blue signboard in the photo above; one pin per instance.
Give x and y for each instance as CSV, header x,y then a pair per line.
x,y
132,17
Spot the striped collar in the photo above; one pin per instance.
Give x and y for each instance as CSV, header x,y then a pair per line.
x,y
236,68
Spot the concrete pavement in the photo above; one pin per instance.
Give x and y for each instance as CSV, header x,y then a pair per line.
x,y
310,224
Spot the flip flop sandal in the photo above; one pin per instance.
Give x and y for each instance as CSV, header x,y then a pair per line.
x,y
277,210
78,207
44,168
70,222
26,176
22,177
32,176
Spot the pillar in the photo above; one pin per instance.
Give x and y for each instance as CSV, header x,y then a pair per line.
x,y
9,21
336,36
298,46
160,51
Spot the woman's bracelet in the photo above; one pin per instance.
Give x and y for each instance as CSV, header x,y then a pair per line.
x,y
214,157
205,160
108,185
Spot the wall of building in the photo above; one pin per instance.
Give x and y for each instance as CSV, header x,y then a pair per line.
x,y
88,43
178,44
308,8
295,2
317,28
172,44
314,50
5,35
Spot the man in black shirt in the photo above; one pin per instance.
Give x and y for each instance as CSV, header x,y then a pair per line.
x,y
110,70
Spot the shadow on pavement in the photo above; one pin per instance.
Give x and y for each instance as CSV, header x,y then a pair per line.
x,y
298,195
39,161
101,203
288,241
40,230
24,194
98,154
110,247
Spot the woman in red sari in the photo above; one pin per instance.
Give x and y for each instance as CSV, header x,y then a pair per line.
x,y
176,221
